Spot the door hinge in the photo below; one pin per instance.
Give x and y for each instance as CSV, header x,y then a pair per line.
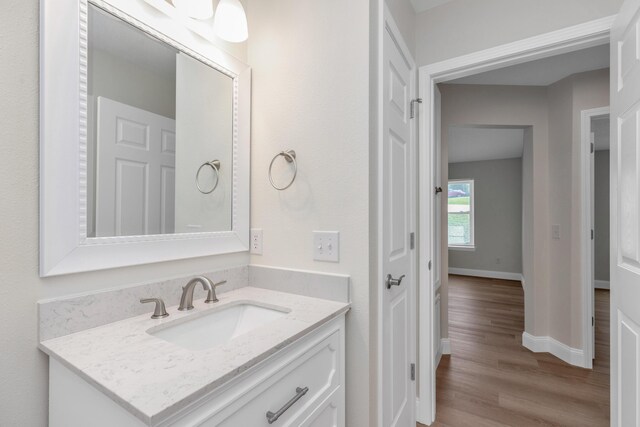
x,y
413,107
412,240
593,147
429,265
413,372
593,321
592,234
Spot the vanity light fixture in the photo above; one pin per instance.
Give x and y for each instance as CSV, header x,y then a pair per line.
x,y
196,9
230,22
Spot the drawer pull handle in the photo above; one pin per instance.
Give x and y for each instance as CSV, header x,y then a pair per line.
x,y
272,417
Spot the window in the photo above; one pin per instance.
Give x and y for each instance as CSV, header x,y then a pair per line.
x,y
460,214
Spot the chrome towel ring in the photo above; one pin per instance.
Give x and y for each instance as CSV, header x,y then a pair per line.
x,y
290,157
215,165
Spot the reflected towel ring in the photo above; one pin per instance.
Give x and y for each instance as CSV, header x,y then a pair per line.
x,y
290,157
215,165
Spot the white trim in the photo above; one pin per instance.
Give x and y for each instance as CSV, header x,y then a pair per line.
x,y
569,39
572,356
386,23
601,284
504,275
64,245
586,242
462,248
445,346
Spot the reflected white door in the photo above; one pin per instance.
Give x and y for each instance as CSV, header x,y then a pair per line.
x,y
398,218
135,173
625,217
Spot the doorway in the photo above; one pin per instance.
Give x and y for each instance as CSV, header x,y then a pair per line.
x,y
576,38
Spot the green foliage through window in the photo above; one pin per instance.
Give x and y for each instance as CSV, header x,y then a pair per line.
x,y
460,213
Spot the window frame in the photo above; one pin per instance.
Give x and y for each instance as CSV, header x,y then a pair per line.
x,y
472,215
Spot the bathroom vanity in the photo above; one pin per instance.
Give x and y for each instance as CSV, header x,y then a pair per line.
x,y
257,357
145,149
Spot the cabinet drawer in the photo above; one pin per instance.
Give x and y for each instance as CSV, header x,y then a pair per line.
x,y
316,365
329,414
317,370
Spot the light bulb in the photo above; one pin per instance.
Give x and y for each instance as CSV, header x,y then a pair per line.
x,y
230,22
196,9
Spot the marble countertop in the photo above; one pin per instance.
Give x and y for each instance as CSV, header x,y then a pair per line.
x,y
153,378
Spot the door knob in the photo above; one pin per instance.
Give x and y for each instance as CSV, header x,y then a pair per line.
x,y
393,282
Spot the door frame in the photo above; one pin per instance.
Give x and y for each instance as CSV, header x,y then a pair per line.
x,y
388,24
586,248
588,34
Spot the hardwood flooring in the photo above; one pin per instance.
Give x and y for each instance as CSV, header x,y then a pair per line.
x,y
491,380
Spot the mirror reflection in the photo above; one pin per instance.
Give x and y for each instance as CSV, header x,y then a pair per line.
x,y
159,136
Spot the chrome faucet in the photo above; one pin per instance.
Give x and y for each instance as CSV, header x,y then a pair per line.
x,y
186,301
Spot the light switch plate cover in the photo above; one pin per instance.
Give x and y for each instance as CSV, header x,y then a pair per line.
x,y
326,246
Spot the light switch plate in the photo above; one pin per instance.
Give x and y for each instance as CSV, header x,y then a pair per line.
x,y
326,246
256,241
555,232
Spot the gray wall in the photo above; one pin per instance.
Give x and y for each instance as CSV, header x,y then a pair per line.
x,y
498,215
553,291
601,217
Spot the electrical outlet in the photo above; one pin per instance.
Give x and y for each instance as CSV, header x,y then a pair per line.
x,y
555,231
326,246
256,241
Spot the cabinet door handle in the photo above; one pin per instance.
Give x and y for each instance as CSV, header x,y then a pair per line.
x,y
272,417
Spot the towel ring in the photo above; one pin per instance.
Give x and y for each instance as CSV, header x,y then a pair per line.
x,y
215,165
290,157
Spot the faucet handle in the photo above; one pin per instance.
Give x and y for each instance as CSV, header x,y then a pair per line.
x,y
160,310
211,296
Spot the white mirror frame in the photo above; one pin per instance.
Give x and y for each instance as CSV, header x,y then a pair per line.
x,y
64,245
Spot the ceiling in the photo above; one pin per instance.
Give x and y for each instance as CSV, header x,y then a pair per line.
x,y
471,144
121,40
600,127
544,72
422,5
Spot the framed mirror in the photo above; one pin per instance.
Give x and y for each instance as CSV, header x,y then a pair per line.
x,y
144,139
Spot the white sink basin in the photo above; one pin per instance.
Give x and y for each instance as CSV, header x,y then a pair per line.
x,y
210,329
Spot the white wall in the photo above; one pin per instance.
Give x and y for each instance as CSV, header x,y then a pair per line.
x,y
204,132
465,26
560,204
497,211
131,84
310,64
23,368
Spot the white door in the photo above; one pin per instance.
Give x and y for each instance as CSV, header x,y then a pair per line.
x,y
625,217
135,174
398,219
436,232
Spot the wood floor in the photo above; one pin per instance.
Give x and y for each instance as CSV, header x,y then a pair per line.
x,y
491,380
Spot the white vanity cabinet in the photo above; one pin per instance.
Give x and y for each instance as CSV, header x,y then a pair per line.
x,y
311,368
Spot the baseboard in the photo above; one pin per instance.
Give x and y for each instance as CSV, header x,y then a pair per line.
x,y
601,284
486,273
572,356
445,346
